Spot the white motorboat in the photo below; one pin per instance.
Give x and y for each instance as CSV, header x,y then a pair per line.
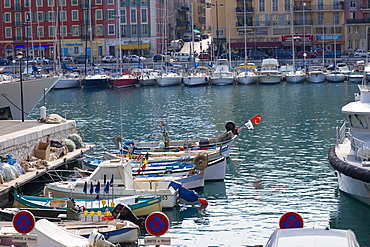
x,y
147,77
356,77
69,80
167,79
246,74
350,158
115,231
269,73
195,77
33,91
343,67
312,237
295,76
335,76
124,184
316,74
222,74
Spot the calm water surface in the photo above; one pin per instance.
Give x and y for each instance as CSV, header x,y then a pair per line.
x,y
279,166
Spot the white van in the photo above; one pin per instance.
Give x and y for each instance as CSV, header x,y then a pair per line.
x,y
181,56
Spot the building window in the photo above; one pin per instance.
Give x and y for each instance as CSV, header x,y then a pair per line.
x,y
320,4
320,18
26,3
6,17
275,20
63,15
110,1
336,18
74,15
50,3
352,4
143,2
287,19
99,30
111,14
352,15
40,16
98,2
7,3
123,30
63,2
40,31
144,15
122,3
8,32
287,5
111,29
50,16
275,6
261,6
51,31
63,31
133,16
74,2
75,30
123,16
144,29
133,29
133,2
39,3
99,14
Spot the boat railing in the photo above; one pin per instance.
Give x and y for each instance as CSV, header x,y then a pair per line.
x,y
359,148
66,175
341,133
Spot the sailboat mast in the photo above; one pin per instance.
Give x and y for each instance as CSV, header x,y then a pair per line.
x,y
292,31
245,33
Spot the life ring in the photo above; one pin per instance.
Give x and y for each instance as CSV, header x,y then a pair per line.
x,y
230,126
200,162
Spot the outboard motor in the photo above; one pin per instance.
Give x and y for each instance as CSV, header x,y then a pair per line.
x,y
122,212
73,211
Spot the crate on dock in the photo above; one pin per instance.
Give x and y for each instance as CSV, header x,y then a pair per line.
x,y
42,151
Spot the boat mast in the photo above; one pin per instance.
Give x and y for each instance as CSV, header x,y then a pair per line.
x,y
292,32
245,34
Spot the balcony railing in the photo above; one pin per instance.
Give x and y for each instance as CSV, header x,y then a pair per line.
x,y
87,37
17,7
247,9
354,20
241,23
18,39
303,22
17,24
86,5
329,7
86,21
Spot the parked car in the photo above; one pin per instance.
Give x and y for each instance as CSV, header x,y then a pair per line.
x,y
43,60
308,54
82,59
257,55
134,59
361,53
332,54
279,53
4,61
226,56
205,56
204,36
186,37
161,57
181,56
109,59
197,37
318,51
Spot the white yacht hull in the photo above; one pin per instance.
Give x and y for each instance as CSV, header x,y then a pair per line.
x,y
316,78
166,81
335,78
221,81
246,79
356,188
295,78
195,80
269,79
33,92
67,83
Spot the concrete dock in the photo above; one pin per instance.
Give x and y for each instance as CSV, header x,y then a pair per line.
x,y
20,139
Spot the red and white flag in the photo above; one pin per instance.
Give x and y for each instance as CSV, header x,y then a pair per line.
x,y
255,120
140,157
249,125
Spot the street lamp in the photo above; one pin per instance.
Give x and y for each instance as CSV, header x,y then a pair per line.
x,y
19,56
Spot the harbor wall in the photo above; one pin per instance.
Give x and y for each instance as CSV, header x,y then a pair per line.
x,y
21,144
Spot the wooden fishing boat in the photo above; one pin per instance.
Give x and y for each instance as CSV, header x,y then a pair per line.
x,y
140,205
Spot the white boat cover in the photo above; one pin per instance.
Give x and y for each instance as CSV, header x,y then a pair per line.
x,y
51,235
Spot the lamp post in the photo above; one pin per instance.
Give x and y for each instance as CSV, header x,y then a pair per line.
x,y
19,56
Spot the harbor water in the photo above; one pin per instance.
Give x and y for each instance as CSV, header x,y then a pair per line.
x,y
280,166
